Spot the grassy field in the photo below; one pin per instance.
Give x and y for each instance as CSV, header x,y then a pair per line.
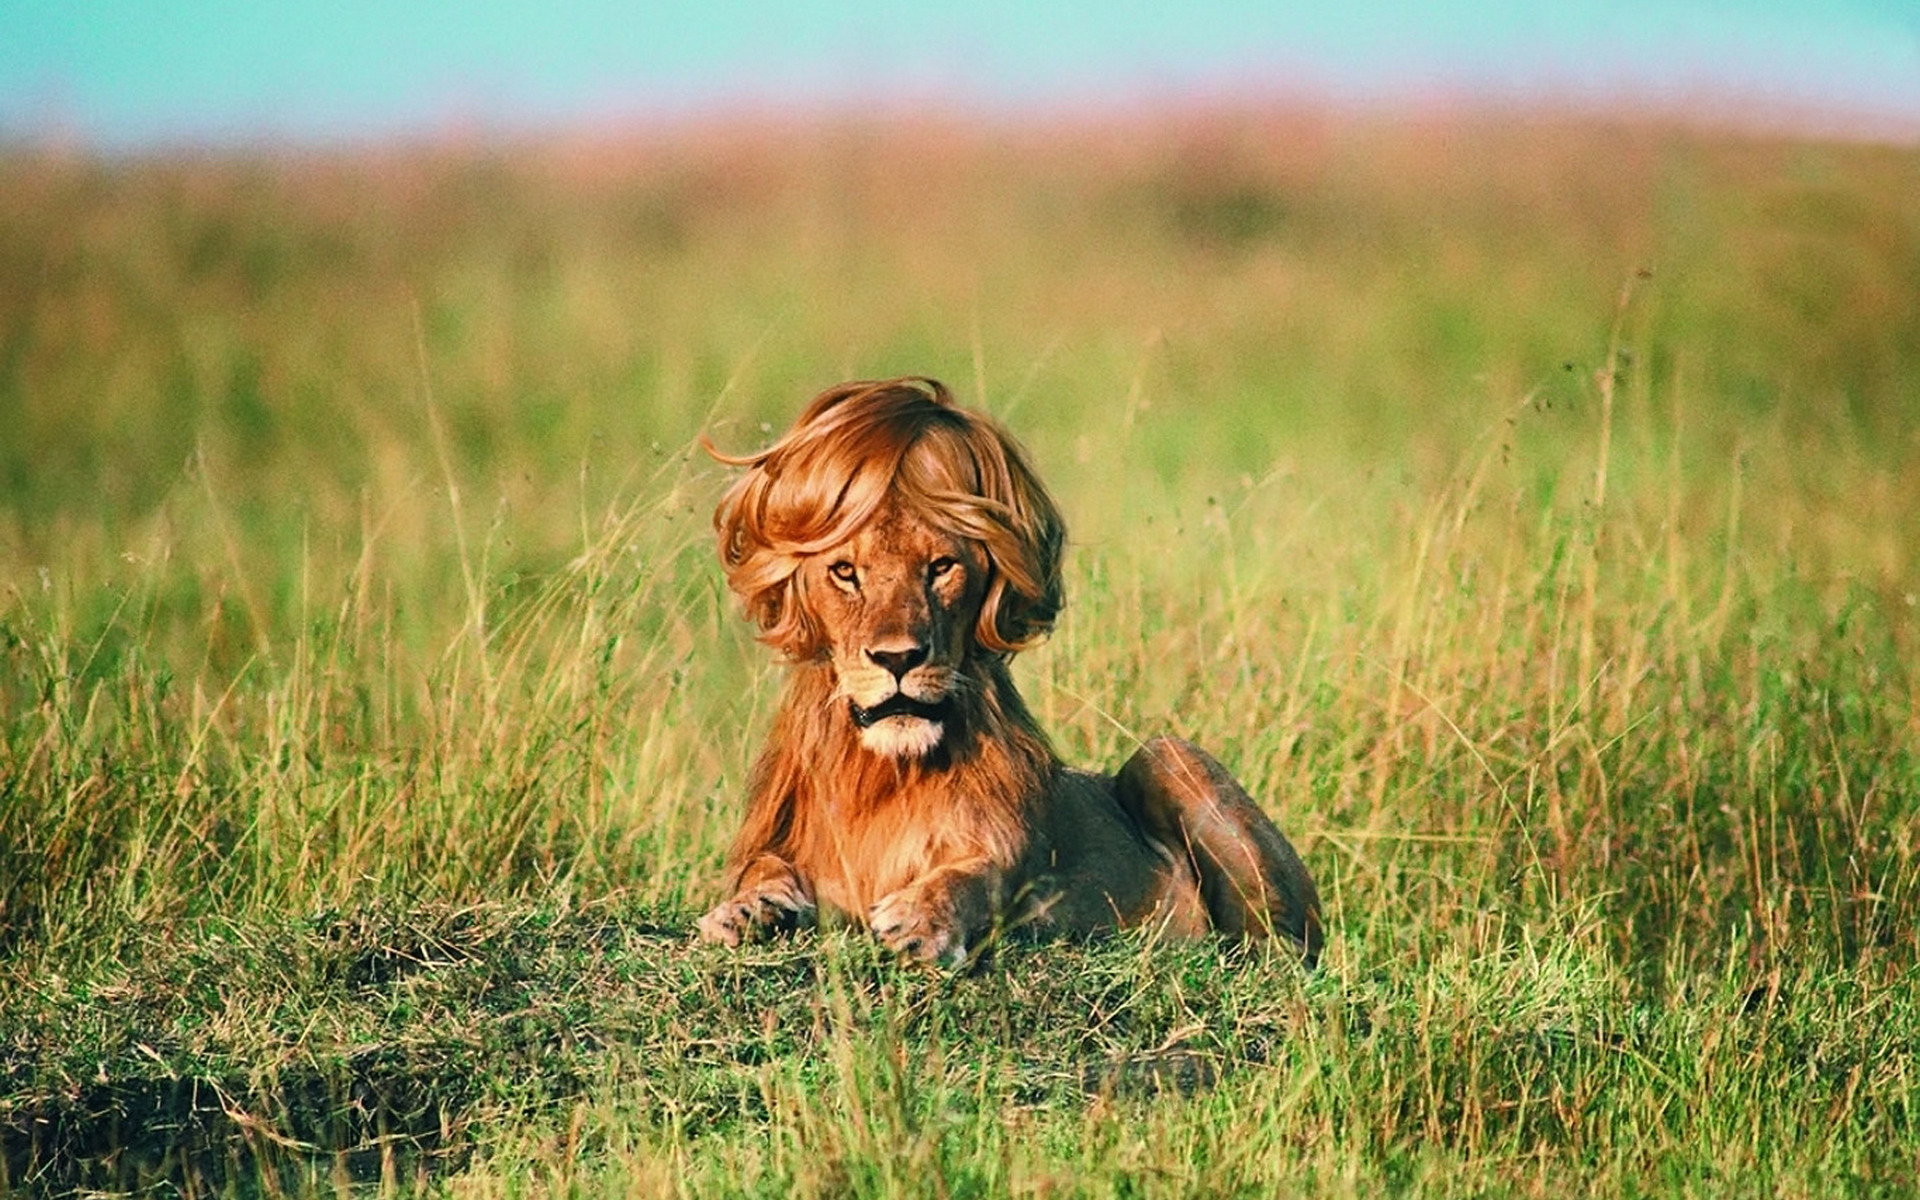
x,y
1528,510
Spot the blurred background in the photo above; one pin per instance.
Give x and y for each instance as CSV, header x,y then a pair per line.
x,y
115,75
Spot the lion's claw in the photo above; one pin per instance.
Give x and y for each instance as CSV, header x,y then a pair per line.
x,y
763,910
905,924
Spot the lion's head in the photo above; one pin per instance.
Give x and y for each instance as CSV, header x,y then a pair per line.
x,y
899,539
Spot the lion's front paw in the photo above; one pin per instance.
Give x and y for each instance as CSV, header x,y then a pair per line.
x,y
768,908
906,923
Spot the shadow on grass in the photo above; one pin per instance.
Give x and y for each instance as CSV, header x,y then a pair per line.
x,y
363,1123
338,1050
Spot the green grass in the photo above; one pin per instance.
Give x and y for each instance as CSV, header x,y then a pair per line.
x,y
373,718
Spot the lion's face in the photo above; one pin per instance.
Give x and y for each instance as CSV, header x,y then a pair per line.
x,y
896,604
901,542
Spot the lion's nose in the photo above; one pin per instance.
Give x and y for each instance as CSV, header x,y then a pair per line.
x,y
899,662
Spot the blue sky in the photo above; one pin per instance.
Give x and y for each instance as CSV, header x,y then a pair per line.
x,y
158,72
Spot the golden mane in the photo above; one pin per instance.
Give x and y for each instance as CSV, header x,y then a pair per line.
x,y
855,447
815,777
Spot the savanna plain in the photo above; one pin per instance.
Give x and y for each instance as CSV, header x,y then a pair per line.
x,y
1526,508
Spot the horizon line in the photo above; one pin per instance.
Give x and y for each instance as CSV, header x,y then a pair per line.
x,y
1707,106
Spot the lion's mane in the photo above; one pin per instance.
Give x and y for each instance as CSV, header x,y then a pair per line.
x,y
854,447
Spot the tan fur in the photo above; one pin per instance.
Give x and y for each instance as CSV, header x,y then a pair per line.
x,y
899,550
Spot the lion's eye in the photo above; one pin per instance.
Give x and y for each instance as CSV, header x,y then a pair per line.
x,y
844,572
940,568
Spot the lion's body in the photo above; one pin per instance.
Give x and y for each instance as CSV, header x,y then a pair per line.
x,y
905,785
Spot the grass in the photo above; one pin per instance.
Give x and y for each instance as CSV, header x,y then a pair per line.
x,y
1525,508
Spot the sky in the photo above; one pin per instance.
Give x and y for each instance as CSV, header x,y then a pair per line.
x,y
159,73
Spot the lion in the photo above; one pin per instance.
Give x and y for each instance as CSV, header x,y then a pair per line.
x,y
898,550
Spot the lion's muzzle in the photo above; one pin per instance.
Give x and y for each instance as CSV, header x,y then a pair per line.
x,y
900,705
902,726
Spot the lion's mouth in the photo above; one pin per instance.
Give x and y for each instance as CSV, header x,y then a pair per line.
x,y
899,705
